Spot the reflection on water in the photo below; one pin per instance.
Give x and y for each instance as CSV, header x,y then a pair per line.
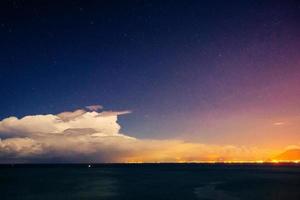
x,y
157,181
102,189
209,191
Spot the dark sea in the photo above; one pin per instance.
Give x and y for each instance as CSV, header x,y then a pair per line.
x,y
150,181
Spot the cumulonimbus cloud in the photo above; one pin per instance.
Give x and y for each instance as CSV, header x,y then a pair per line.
x,y
92,136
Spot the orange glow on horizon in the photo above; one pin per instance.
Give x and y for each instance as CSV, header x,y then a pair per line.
x,y
224,162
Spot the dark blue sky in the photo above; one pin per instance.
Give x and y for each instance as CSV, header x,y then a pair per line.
x,y
175,64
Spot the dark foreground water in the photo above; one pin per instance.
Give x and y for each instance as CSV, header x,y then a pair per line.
x,y
150,181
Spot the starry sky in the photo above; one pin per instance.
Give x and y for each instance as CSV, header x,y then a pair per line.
x,y
218,72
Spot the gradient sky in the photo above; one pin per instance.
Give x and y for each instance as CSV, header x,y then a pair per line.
x,y
217,72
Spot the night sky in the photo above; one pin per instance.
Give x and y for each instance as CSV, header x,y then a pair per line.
x,y
218,72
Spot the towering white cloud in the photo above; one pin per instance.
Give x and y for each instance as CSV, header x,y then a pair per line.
x,y
104,122
91,136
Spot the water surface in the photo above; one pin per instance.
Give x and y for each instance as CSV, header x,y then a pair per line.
x,y
149,181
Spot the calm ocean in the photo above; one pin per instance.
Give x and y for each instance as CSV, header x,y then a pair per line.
x,y
150,181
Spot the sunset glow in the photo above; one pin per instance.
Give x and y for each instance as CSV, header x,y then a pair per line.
x,y
150,100
150,82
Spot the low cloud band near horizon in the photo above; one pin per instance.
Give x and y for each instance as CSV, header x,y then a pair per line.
x,y
92,136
